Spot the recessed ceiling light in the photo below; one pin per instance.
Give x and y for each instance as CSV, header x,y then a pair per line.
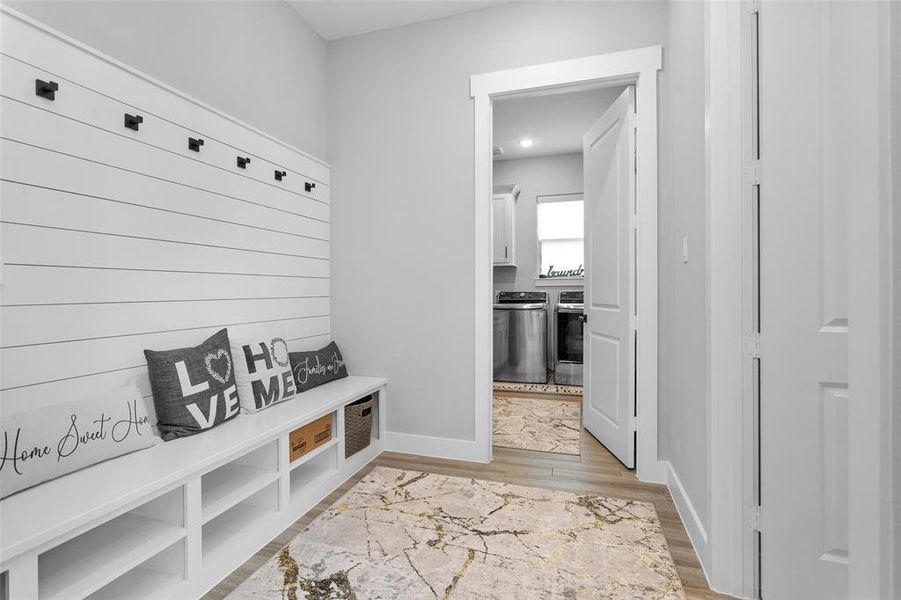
x,y
526,143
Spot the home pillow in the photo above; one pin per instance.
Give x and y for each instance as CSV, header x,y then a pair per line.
x,y
46,443
317,367
263,371
193,388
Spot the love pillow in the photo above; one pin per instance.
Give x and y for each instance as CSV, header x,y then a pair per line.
x,y
263,371
193,388
46,443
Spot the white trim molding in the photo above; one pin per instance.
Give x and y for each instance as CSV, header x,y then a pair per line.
x,y
694,526
637,67
869,239
728,558
434,447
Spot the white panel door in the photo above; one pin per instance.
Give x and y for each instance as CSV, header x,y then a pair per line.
x,y
609,193
803,286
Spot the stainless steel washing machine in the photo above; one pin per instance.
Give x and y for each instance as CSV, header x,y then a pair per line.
x,y
569,343
520,337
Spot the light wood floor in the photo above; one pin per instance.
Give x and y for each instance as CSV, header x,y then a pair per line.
x,y
596,471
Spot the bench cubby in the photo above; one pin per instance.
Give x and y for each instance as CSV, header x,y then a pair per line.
x,y
226,486
70,569
174,520
156,577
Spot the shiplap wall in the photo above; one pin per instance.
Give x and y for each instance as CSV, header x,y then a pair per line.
x,y
116,240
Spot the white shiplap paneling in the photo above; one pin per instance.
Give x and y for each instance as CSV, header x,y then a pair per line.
x,y
114,241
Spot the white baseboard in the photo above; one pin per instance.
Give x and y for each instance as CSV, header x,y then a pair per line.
x,y
689,516
435,447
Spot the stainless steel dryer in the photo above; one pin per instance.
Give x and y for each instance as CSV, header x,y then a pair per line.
x,y
569,344
520,337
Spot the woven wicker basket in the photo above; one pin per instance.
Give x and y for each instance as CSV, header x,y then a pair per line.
x,y
357,425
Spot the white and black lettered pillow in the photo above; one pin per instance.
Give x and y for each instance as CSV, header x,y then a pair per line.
x,y
46,443
263,371
193,388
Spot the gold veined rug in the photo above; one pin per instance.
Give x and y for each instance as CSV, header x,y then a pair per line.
x,y
410,535
537,424
538,388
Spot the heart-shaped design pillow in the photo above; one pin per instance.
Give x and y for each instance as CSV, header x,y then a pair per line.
x,y
279,348
219,354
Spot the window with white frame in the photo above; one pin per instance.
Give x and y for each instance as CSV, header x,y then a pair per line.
x,y
561,229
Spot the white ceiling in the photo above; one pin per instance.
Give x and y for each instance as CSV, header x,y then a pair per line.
x,y
555,121
335,19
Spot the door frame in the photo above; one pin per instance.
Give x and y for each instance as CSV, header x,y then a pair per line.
x,y
632,67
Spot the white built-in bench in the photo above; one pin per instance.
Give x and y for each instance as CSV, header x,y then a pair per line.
x,y
174,520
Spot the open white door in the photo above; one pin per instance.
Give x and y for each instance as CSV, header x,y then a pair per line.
x,y
609,191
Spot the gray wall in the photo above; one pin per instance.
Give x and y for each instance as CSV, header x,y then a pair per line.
x,y
682,433
401,133
560,174
257,61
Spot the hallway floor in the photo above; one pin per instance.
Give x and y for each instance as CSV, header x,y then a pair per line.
x,y
595,471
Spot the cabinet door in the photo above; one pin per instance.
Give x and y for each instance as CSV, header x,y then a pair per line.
x,y
501,227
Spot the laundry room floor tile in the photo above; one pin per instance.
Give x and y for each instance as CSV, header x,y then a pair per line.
x,y
546,425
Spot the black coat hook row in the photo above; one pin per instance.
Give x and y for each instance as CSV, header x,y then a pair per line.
x,y
242,162
279,175
133,121
308,186
194,144
46,89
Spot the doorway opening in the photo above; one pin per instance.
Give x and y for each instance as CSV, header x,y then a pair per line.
x,y
619,238
539,242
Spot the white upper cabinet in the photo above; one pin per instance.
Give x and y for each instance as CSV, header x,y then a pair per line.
x,y
503,207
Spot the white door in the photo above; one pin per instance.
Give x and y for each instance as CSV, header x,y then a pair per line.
x,y
609,361
803,293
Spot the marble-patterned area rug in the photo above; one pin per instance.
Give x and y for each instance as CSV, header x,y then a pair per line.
x,y
538,424
538,388
410,535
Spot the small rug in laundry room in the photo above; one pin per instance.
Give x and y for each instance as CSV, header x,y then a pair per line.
x,y
540,424
411,535
538,388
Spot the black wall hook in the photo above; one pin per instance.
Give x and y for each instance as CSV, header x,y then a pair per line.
x,y
242,162
133,121
45,89
280,174
308,186
194,144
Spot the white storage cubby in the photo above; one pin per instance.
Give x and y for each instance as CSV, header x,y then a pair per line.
x,y
310,469
70,569
156,577
222,534
224,487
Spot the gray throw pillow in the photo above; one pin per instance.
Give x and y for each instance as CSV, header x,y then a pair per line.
x,y
317,367
193,388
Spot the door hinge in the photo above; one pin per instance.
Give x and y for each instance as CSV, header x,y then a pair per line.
x,y
752,172
505,251
752,518
634,120
752,345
